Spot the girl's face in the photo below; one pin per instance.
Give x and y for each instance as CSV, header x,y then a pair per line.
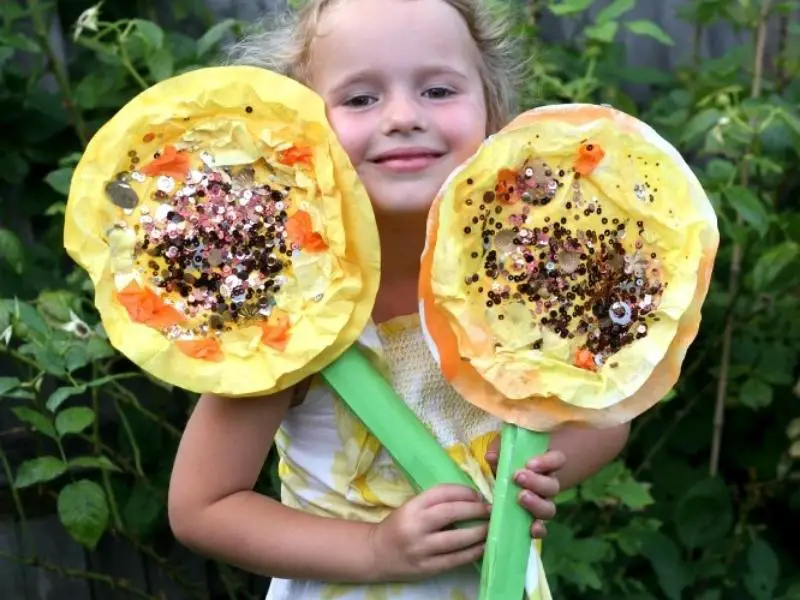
x,y
403,93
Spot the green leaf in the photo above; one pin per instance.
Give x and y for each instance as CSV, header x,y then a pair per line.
x,y
142,511
55,209
74,420
664,556
8,383
212,37
569,7
632,493
615,10
39,421
793,121
650,29
160,64
756,394
583,576
150,32
19,41
39,470
631,536
56,305
749,207
58,397
93,462
699,125
11,250
76,357
83,510
46,359
762,579
602,32
704,514
60,179
30,324
720,171
772,263
777,363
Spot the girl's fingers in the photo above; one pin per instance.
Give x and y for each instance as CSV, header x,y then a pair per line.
x,y
446,562
538,530
445,514
537,506
542,485
447,542
550,461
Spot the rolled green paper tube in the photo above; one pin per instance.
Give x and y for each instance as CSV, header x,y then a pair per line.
x,y
509,542
415,450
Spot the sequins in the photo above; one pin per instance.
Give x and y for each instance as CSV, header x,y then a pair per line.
x,y
582,282
620,313
121,194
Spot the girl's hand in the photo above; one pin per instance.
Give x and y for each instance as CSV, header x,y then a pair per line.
x,y
538,484
416,541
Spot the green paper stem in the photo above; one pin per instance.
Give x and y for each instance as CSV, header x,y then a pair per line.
x,y
509,543
372,400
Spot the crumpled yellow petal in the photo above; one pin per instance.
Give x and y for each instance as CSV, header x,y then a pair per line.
x,y
210,120
502,357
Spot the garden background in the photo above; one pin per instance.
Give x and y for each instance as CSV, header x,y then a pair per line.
x,y
704,504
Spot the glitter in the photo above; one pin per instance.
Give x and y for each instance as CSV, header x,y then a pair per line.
x,y
137,176
640,191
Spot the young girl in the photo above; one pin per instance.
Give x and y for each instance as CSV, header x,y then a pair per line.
x,y
412,87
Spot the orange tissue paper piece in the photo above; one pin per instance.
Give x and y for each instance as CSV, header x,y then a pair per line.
x,y
299,229
275,330
584,359
146,307
589,156
205,349
171,162
295,155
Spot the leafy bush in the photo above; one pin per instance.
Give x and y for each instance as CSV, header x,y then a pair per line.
x,y
700,506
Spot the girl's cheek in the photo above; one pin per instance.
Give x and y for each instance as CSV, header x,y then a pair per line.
x,y
351,133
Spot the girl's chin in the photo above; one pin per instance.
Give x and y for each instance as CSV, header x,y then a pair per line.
x,y
413,198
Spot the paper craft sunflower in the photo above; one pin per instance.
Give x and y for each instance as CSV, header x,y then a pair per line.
x,y
565,268
232,247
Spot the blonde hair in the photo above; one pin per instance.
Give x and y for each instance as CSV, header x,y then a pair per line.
x,y
284,44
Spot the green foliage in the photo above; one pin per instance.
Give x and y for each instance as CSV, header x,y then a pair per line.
x,y
701,504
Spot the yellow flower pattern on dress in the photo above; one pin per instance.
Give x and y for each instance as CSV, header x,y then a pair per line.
x,y
331,465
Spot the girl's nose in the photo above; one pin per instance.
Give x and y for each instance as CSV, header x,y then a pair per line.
x,y
403,114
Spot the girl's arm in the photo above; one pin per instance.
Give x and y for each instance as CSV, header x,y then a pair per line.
x,y
214,511
586,451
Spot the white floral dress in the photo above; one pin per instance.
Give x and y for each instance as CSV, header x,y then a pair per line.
x,y
331,465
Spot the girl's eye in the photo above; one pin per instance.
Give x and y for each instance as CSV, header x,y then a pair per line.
x,y
438,93
359,101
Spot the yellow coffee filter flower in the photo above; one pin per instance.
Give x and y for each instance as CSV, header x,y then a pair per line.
x,y
232,246
565,268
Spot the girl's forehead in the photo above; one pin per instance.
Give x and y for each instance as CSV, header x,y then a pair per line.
x,y
355,34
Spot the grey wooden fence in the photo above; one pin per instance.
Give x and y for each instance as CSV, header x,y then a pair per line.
x,y
119,561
